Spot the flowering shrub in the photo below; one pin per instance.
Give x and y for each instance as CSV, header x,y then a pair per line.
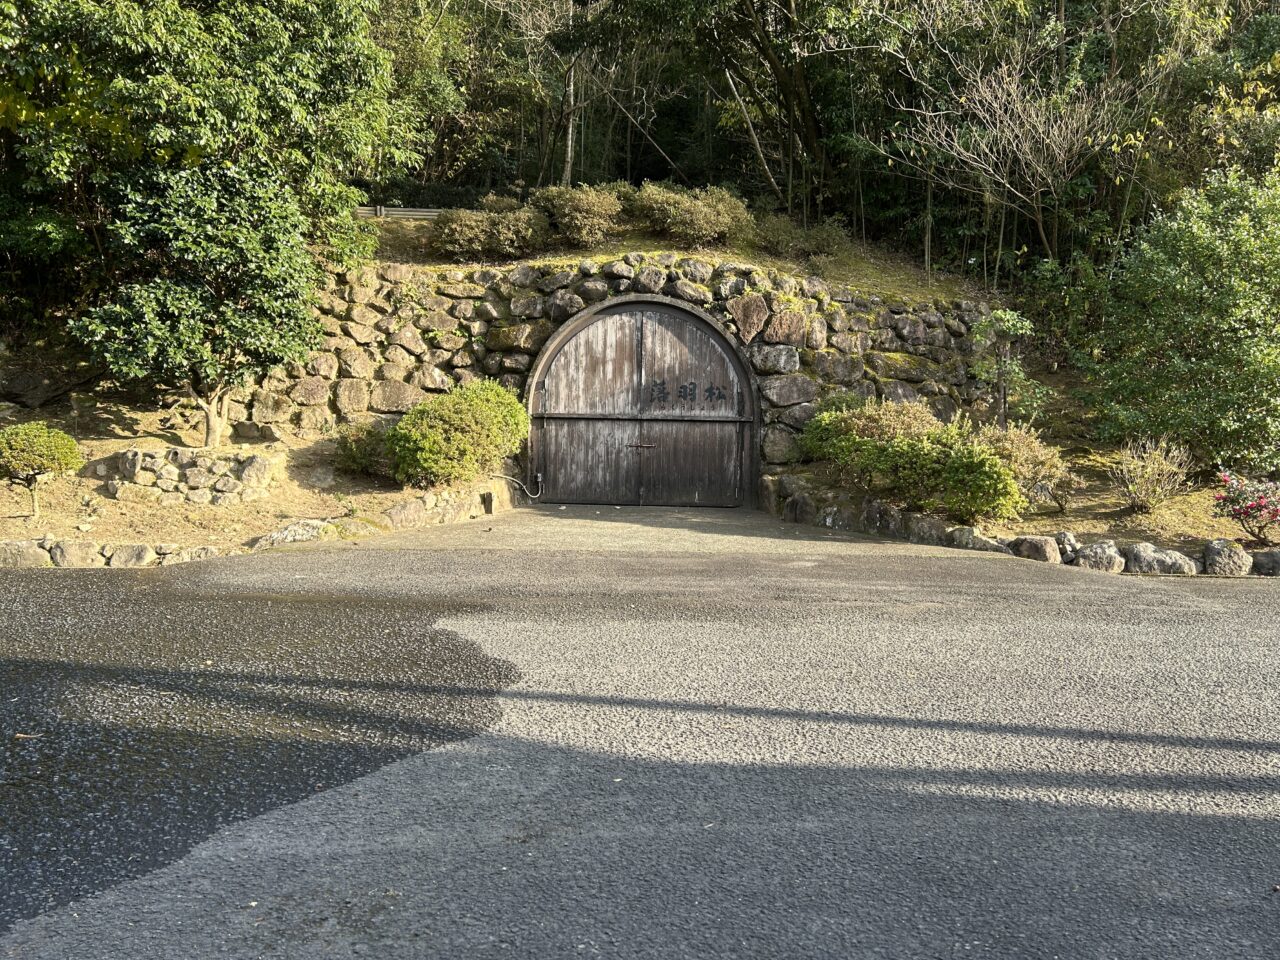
x,y
1253,505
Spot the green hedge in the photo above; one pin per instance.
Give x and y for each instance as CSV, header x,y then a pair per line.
x,y
457,437
32,450
905,452
583,216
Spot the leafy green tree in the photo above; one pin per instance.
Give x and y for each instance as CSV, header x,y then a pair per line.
x,y
1190,348
223,291
32,451
102,101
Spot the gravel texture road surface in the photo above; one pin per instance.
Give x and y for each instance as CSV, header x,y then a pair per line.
x,y
630,733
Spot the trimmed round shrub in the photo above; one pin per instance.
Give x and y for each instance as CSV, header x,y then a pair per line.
x,y
362,448
30,451
904,451
498,203
459,436
488,234
582,216
974,483
711,215
1038,467
846,415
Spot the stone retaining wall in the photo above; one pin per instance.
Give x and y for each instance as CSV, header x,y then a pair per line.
x,y
396,333
180,475
798,500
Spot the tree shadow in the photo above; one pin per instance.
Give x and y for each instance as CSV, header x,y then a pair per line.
x,y
155,727
538,849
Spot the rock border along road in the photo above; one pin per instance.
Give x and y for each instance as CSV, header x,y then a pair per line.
x,y
732,737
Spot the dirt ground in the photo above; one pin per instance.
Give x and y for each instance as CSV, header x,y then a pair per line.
x,y
1098,512
79,507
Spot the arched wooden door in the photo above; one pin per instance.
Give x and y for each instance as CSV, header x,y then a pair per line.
x,y
642,402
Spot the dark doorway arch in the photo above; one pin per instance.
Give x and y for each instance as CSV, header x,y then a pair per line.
x,y
643,400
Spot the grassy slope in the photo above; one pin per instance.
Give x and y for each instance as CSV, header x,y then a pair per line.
x,y
867,272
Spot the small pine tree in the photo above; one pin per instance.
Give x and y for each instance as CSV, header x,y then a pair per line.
x,y
30,451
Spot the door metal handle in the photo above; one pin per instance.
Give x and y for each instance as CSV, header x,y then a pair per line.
x,y
641,446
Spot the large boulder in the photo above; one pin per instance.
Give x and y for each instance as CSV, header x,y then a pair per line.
x,y
563,304
837,367
257,471
392,396
1226,558
189,554
750,313
1266,563
130,555
300,531
922,528
76,553
1101,556
351,396
971,538
272,407
16,554
1150,559
797,416
525,337
903,366
649,280
789,389
1044,549
774,358
779,445
408,514
788,327
310,391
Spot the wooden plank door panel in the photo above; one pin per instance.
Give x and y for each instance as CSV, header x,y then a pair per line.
x,y
686,371
691,463
590,461
597,373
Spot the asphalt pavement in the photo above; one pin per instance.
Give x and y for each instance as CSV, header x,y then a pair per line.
x,y
637,733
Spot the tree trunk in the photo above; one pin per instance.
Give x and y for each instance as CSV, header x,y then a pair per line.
x,y
35,499
1037,214
755,141
928,229
216,408
566,175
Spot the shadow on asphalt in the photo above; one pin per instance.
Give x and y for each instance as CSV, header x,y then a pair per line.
x,y
529,849
156,727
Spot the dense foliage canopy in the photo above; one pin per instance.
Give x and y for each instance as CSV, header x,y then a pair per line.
x,y
1191,345
168,166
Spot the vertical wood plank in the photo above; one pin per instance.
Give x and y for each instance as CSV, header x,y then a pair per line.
x,y
687,372
591,461
597,372
691,463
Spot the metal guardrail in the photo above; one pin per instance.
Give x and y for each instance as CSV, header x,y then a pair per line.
x,y
399,213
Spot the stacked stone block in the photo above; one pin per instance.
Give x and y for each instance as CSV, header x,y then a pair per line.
x,y
396,333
